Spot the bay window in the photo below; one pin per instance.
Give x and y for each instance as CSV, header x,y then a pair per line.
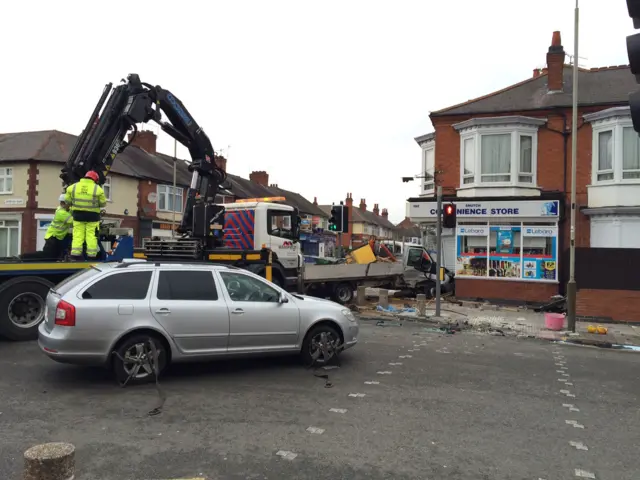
x,y
428,167
616,147
498,151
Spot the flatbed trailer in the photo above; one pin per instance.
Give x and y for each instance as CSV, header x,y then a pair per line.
x,y
24,285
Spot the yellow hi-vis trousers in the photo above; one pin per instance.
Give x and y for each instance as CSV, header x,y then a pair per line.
x,y
84,232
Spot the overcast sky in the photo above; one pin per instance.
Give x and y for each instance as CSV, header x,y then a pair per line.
x,y
325,96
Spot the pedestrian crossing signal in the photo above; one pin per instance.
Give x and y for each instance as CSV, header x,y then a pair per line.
x,y
449,216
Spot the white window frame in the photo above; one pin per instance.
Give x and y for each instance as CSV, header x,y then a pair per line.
x,y
13,218
167,191
613,120
6,173
516,126
428,184
107,187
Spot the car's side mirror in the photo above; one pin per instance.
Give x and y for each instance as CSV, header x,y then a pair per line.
x,y
283,298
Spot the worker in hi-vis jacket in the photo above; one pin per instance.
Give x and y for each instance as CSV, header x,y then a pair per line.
x,y
86,198
56,238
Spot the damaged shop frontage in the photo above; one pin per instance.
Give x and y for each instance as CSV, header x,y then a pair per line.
x,y
502,250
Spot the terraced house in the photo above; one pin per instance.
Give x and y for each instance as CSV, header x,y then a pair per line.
x,y
139,189
504,159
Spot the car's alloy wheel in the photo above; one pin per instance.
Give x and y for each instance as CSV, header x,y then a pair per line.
x,y
133,359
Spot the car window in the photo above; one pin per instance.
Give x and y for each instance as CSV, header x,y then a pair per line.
x,y
243,288
414,256
120,286
80,276
186,285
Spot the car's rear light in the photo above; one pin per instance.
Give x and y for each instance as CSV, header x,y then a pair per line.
x,y
65,314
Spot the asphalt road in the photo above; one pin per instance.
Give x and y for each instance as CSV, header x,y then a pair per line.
x,y
462,406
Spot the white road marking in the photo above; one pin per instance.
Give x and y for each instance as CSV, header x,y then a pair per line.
x,y
286,454
330,367
372,383
559,364
357,395
568,383
574,423
338,410
573,409
583,473
567,405
384,373
316,430
416,350
562,379
578,445
566,375
559,371
443,351
405,356
412,350
567,393
395,363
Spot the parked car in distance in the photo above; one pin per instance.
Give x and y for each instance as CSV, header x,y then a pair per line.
x,y
106,316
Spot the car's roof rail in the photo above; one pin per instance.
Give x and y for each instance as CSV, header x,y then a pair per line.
x,y
127,262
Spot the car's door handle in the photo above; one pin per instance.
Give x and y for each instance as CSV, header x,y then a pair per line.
x,y
163,310
238,311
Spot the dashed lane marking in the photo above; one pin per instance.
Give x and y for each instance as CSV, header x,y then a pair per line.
x,y
338,410
316,430
395,363
372,383
574,423
287,455
578,445
384,373
358,395
583,473
405,356
563,380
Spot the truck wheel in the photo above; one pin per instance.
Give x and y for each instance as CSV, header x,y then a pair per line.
x,y
22,305
343,293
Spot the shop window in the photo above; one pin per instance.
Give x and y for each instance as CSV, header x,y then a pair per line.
x,y
512,251
504,251
471,258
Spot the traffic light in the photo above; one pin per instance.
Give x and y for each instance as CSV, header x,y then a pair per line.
x,y
335,221
345,219
633,51
449,215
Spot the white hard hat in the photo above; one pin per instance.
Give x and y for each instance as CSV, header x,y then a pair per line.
x,y
61,198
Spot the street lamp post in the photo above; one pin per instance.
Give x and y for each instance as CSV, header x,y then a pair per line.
x,y
571,285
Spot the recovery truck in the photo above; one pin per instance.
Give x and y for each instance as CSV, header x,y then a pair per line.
x,y
26,280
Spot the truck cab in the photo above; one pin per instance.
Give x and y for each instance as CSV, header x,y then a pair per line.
x,y
252,224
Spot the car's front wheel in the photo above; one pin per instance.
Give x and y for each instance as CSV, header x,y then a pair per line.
x,y
313,351
134,359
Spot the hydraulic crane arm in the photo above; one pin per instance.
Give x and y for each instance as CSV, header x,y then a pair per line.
x,y
119,110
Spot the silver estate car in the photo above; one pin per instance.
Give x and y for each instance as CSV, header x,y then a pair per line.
x,y
106,316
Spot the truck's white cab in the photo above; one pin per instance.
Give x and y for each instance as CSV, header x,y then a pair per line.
x,y
252,224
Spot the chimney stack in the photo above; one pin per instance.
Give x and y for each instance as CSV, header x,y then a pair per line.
x,y
221,162
315,200
260,177
145,139
349,200
363,204
555,64
385,213
376,210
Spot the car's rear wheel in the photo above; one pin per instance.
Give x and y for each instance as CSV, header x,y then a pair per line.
x,y
312,347
133,359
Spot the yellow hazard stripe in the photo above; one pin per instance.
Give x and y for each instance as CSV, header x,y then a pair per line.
x,y
46,266
233,256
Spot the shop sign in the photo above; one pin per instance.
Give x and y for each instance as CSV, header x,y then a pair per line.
x,y
522,209
540,231
473,231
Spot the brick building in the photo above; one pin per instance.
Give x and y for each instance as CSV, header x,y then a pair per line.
x,y
504,159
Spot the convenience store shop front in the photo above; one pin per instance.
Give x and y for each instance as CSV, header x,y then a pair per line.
x,y
504,250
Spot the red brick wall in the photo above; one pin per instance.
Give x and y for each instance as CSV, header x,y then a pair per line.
x,y
619,305
496,290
